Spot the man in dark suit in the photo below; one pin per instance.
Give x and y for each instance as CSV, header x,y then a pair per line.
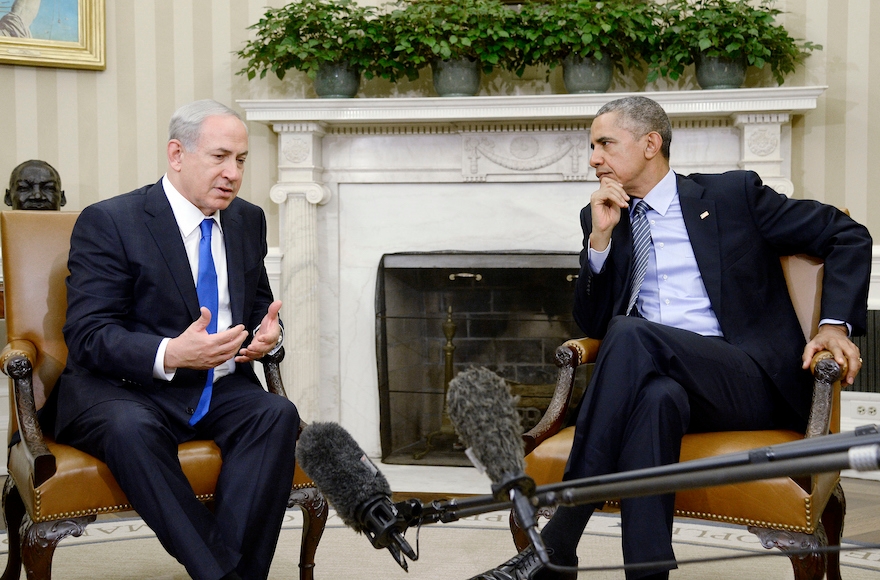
x,y
145,343
699,333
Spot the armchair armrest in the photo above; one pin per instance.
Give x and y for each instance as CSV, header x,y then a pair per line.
x,y
272,370
17,360
569,356
573,353
824,413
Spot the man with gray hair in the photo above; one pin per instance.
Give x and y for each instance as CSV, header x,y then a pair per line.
x,y
681,279
168,305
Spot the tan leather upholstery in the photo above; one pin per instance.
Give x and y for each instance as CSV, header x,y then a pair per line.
x,y
781,503
768,506
31,238
50,481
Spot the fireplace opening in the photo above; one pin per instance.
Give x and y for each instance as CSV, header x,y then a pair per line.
x,y
438,313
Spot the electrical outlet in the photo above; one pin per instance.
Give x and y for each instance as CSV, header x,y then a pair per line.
x,y
859,408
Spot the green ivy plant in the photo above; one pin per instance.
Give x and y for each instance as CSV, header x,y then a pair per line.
x,y
425,30
619,30
397,39
305,34
733,29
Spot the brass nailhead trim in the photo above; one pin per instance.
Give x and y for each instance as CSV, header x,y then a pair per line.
x,y
41,517
581,351
746,521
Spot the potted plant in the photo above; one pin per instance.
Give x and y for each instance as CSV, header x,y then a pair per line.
x,y
727,36
589,38
332,41
459,37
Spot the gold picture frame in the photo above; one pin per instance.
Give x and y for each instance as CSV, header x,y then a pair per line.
x,y
88,51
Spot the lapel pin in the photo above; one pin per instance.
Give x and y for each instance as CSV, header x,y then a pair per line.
x,y
704,215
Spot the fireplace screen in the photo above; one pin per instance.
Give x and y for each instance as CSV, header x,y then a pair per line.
x,y
438,313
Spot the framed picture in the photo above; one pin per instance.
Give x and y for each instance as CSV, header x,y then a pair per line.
x,y
57,33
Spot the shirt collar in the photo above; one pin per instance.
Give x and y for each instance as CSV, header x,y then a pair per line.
x,y
187,215
661,195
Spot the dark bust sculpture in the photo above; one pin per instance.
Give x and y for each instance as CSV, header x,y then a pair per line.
x,y
35,184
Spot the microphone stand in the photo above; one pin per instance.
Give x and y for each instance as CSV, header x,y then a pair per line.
x,y
859,449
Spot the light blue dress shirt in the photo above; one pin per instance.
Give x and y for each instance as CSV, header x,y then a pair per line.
x,y
673,292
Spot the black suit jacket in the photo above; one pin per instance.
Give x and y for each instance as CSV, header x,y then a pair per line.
x,y
738,229
131,285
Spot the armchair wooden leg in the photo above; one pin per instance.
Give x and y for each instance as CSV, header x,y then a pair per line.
x,y
314,508
39,541
808,567
520,539
832,520
13,511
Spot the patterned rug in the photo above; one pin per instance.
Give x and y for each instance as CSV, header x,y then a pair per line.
x,y
125,548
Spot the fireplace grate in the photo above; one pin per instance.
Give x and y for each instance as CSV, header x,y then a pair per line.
x,y
510,311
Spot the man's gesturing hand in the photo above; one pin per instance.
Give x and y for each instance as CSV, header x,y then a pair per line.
x,y
196,349
265,338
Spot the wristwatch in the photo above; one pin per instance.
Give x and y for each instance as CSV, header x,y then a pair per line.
x,y
278,344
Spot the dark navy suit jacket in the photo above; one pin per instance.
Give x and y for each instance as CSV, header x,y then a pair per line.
x,y
131,285
738,229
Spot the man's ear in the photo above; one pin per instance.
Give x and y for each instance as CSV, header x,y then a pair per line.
x,y
653,144
8,198
175,154
63,199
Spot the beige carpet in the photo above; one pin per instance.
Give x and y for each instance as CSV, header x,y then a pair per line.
x,y
120,549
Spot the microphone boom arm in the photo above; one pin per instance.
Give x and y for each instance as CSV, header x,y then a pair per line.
x,y
859,449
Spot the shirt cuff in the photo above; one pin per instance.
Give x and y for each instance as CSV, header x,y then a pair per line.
x,y
597,259
159,371
838,323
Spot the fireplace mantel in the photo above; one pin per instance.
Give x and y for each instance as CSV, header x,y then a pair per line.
x,y
358,178
413,111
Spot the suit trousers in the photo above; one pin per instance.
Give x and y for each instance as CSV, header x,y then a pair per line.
x,y
256,432
652,384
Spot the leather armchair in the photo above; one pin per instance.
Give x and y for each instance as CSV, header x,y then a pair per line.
x,y
53,490
789,514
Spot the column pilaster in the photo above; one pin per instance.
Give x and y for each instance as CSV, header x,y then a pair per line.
x,y
299,192
761,148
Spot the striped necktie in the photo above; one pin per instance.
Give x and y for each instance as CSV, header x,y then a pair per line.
x,y
641,248
206,288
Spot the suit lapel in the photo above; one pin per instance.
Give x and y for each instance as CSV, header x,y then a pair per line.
x,y
163,227
233,234
701,222
621,237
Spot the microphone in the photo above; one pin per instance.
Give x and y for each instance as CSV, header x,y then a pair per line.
x,y
355,487
483,412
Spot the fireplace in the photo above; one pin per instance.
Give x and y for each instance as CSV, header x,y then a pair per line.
x,y
359,179
438,313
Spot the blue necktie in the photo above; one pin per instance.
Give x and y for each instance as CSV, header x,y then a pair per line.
x,y
641,248
206,287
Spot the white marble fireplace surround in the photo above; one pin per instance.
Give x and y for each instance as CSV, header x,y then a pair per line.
x,y
358,178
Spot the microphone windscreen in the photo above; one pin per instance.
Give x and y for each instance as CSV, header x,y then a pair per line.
x,y
483,412
329,455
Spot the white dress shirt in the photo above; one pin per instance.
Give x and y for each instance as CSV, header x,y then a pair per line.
x,y
189,218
